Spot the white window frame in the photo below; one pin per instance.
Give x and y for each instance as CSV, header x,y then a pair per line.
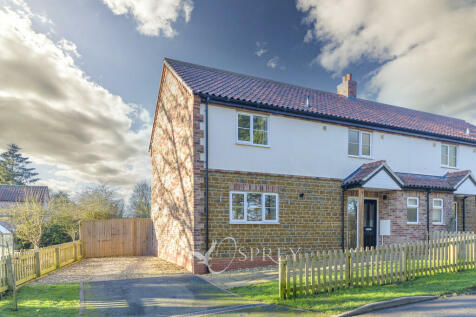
x,y
448,155
413,206
440,208
360,143
263,207
251,142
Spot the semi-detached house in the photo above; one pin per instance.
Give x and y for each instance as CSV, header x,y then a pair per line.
x,y
280,167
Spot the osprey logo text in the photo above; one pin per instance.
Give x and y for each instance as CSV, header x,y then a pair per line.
x,y
205,259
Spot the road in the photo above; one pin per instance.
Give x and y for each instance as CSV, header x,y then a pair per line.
x,y
452,306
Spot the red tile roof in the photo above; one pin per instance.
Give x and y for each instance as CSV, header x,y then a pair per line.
x,y
362,172
286,97
18,193
446,182
419,181
454,178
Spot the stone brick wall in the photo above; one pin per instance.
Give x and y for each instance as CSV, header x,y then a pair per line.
x,y
311,222
177,198
471,214
395,209
470,210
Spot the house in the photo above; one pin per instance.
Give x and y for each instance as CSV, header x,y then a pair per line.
x,y
245,168
11,195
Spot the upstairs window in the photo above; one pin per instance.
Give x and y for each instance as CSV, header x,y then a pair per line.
x,y
252,129
254,207
437,214
449,155
359,143
412,210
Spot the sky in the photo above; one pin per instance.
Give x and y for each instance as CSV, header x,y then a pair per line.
x,y
79,78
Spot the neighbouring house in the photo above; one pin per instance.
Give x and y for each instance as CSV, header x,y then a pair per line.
x,y
11,195
245,167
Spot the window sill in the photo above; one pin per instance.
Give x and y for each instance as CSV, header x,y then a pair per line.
x,y
360,157
449,167
254,223
254,145
413,223
438,224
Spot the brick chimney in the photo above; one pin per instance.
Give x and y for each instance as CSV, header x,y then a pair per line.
x,y
348,87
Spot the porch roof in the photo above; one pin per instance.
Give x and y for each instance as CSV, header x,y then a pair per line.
x,y
449,182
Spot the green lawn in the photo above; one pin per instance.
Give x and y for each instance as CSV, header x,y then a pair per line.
x,y
348,299
44,300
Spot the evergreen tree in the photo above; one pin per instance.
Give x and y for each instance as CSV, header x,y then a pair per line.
x,y
14,167
5,176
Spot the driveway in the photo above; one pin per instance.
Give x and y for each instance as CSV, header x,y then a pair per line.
x,y
103,269
181,295
452,306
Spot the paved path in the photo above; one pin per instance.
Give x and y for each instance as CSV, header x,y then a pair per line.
x,y
452,306
184,294
103,269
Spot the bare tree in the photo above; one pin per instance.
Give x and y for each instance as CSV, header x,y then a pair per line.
x,y
99,202
29,220
140,200
64,213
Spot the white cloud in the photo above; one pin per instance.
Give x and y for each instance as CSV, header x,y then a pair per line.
x,y
69,46
62,119
425,49
153,17
273,62
260,48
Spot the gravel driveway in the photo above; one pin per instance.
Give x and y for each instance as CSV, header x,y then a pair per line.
x,y
117,268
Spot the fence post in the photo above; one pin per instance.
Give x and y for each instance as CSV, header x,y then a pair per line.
x,y
57,257
282,277
11,281
37,263
348,268
75,251
405,264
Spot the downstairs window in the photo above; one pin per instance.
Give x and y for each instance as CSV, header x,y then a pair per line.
x,y
254,207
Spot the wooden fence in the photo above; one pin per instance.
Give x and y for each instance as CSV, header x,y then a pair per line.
x,y
117,237
27,265
333,270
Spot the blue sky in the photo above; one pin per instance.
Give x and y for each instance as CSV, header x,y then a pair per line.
x,y
81,76
222,34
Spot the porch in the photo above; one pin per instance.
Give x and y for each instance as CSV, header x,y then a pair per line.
x,y
381,206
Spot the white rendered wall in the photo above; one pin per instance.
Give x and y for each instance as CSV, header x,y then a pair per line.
x,y
382,181
304,147
467,188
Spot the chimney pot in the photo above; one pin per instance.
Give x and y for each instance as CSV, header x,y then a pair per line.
x,y
348,87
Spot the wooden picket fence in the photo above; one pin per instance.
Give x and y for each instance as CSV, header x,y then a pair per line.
x,y
319,272
27,265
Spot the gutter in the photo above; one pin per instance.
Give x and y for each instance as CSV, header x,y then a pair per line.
x,y
206,179
342,206
464,213
427,213
331,119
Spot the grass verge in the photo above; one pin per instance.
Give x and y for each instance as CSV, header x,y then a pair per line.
x,y
348,299
43,300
